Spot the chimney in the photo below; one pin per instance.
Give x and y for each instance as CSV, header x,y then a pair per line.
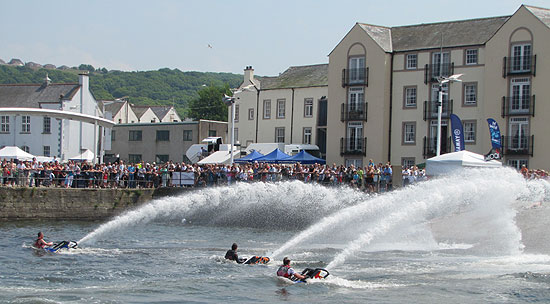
x,y
248,75
83,80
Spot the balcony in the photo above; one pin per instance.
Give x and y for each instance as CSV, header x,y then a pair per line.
x,y
353,146
430,109
516,106
352,77
354,111
517,145
430,144
433,71
519,65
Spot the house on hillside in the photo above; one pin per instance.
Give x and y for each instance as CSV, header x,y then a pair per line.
x,y
290,108
16,62
47,136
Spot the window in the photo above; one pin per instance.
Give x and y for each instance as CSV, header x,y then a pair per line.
x,y
134,135
267,109
281,103
279,135
469,131
187,135
162,158
471,56
47,125
251,114
46,151
5,124
25,124
236,112
308,107
412,61
113,135
470,94
410,97
25,148
518,163
134,158
357,70
407,162
521,58
307,136
409,132
236,134
163,135
212,133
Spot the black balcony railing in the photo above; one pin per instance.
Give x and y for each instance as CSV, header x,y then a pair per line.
x,y
516,105
430,144
353,146
430,109
351,77
518,145
354,111
433,71
519,65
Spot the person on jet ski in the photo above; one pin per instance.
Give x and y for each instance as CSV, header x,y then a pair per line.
x,y
40,243
232,254
287,271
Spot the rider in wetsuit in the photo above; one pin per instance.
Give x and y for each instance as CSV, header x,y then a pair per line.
x,y
232,254
40,243
288,272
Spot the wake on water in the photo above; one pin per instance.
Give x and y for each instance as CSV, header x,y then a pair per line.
x,y
475,208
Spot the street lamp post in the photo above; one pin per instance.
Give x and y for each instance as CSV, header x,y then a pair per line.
x,y
442,80
230,101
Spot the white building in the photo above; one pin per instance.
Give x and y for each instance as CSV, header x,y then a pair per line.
x,y
43,135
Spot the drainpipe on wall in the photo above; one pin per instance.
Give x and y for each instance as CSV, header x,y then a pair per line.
x,y
257,109
292,117
391,107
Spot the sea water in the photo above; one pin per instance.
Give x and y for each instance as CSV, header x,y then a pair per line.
x,y
477,236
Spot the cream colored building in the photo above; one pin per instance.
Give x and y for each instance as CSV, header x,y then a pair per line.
x,y
290,108
124,112
383,81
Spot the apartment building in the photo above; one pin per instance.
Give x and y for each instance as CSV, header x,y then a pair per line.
x,y
383,81
290,108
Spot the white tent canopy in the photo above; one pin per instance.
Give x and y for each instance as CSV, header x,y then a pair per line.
x,y
447,163
84,156
12,152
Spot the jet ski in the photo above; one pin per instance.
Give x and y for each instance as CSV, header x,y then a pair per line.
x,y
312,273
253,260
63,245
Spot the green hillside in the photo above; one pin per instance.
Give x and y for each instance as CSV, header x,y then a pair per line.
x,y
162,87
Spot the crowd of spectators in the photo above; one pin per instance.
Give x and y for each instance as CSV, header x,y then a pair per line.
x,y
371,178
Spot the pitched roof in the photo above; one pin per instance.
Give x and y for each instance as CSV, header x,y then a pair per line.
x,y
30,95
139,110
160,111
114,107
428,36
543,14
298,77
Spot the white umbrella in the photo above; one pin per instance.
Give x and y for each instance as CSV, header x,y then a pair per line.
x,y
12,152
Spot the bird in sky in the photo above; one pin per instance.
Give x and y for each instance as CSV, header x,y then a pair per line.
x,y
210,46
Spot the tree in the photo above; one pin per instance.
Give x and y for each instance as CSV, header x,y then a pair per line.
x,y
209,104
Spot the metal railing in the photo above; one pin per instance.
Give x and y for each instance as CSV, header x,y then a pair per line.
x,y
359,76
519,65
518,145
430,109
353,146
430,144
514,106
433,71
354,111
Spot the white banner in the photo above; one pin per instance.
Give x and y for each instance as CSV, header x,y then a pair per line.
x,y
183,178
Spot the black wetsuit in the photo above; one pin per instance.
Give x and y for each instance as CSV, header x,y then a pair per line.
x,y
232,255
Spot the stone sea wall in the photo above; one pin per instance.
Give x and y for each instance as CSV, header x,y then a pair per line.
x,y
69,204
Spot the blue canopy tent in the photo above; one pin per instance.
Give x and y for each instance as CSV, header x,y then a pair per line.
x,y
274,157
250,157
304,158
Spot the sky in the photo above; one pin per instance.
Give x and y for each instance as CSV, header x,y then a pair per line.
x,y
209,35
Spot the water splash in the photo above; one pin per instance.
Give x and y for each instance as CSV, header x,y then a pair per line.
x,y
285,205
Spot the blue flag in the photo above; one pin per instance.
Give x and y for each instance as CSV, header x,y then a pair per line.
x,y
458,133
495,140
